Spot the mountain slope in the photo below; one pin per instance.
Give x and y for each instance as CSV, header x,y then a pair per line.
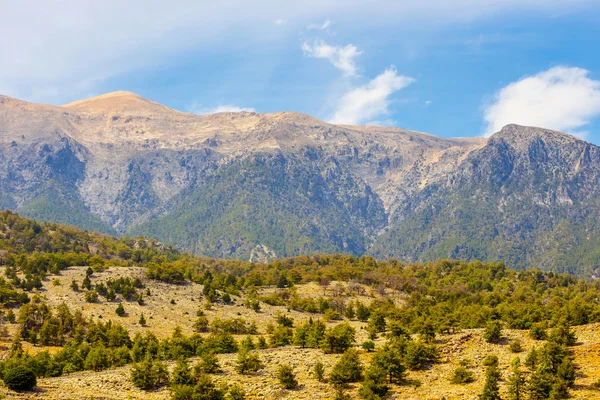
x,y
529,197
229,183
288,203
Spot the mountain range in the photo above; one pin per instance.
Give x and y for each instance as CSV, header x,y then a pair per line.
x,y
260,186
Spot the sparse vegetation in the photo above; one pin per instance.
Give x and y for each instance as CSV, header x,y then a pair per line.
x,y
415,317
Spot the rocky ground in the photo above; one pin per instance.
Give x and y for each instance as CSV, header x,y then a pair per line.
x,y
431,383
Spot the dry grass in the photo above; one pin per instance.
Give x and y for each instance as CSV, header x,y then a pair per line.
x,y
162,317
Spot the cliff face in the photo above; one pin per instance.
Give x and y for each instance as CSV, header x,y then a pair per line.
x,y
223,184
529,197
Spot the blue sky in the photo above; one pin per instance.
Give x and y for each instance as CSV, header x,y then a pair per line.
x,y
450,68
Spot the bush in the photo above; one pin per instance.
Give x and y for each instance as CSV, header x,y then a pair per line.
x,y
338,339
286,377
120,311
209,364
462,375
91,296
515,346
97,359
374,385
538,332
235,393
281,336
204,389
563,335
418,353
19,377
319,371
368,346
490,360
247,362
389,359
493,332
149,374
347,369
201,324
221,343
181,373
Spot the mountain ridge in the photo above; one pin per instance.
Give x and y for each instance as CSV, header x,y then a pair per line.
x,y
223,184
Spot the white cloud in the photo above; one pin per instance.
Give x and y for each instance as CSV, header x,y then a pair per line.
x,y
321,27
428,103
341,57
561,98
280,22
365,103
197,109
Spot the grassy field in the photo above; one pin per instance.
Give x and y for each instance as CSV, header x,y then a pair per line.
x,y
163,316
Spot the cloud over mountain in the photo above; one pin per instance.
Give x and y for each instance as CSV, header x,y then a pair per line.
x,y
561,98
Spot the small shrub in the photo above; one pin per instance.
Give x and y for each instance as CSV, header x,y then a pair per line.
x,y
19,378
332,315
11,317
91,296
538,332
235,393
201,324
462,375
515,346
120,311
418,353
490,360
493,332
347,369
287,377
319,371
247,362
340,394
149,374
209,364
368,346
262,342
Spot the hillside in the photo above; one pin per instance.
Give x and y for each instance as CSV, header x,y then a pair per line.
x,y
61,290
233,185
529,198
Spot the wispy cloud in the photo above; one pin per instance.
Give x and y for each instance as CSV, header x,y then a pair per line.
x,y
561,98
57,45
370,101
343,58
280,22
200,110
320,27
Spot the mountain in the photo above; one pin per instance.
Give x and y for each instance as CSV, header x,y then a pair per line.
x,y
529,197
281,184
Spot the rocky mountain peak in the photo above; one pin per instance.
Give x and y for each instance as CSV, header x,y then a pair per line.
x,y
519,136
121,102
